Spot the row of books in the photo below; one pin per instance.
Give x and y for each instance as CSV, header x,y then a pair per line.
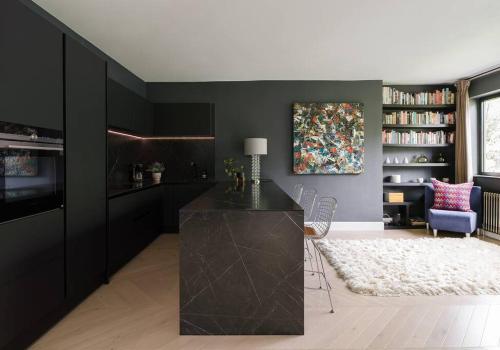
x,y
419,118
438,97
394,137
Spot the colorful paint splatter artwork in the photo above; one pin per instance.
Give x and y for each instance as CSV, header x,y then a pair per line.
x,y
328,138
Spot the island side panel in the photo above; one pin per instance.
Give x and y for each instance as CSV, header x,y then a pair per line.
x,y
242,273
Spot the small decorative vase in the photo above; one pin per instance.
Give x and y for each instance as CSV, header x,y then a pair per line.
x,y
441,158
422,159
387,160
396,219
239,179
405,160
396,160
396,179
156,177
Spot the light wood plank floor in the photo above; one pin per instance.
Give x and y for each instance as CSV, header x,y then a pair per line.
x,y
138,310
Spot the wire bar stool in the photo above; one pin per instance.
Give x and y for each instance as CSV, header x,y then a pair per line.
x,y
317,230
297,192
307,202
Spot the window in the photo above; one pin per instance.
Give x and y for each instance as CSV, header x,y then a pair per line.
x,y
490,148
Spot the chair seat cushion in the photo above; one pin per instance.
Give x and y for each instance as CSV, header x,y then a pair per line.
x,y
309,231
456,221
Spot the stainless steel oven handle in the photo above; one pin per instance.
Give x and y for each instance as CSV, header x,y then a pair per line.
x,y
60,149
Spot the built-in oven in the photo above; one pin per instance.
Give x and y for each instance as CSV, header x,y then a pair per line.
x,y
31,170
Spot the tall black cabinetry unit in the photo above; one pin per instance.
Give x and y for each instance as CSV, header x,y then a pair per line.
x,y
31,68
31,274
31,248
86,198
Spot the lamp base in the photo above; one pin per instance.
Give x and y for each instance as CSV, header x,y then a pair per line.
x,y
255,168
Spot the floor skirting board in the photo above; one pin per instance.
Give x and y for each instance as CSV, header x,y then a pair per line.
x,y
357,225
489,234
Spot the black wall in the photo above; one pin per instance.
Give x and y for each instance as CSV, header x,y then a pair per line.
x,y
481,87
115,70
264,109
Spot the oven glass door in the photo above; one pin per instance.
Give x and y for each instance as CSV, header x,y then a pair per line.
x,y
31,178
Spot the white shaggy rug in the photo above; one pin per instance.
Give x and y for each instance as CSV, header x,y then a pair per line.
x,y
424,266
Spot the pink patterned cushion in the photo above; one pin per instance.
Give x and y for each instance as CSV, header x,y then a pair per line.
x,y
452,197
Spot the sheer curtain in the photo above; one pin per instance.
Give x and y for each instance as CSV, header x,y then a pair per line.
x,y
463,161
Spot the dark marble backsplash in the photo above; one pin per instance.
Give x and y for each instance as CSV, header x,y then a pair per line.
x,y
176,155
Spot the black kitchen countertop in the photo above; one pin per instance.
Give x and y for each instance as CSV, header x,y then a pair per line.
x,y
117,190
226,196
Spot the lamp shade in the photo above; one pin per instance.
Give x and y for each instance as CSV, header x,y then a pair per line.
x,y
255,146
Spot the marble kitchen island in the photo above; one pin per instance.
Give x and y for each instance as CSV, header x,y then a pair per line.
x,y
241,262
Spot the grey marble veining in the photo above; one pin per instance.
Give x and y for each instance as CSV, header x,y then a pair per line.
x,y
241,270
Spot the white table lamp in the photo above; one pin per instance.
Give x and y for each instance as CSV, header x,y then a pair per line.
x,y
255,147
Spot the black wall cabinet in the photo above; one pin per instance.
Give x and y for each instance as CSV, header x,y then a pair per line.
x,y
128,111
86,148
31,68
184,119
31,272
134,222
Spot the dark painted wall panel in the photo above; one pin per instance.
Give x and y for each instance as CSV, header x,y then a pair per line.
x,y
264,109
480,87
488,183
484,86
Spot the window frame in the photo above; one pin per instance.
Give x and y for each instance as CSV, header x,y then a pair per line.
x,y
481,136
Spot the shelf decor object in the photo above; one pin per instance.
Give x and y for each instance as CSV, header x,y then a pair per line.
x,y
255,147
328,138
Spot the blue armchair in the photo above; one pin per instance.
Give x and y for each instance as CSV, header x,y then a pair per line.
x,y
455,221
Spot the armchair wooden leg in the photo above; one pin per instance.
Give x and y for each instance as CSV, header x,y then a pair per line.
x,y
435,232
467,235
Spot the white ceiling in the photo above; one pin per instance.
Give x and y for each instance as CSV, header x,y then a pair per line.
x,y
398,41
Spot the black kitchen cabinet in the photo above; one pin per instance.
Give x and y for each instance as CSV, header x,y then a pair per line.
x,y
31,68
129,111
184,119
119,113
142,117
31,272
85,152
134,222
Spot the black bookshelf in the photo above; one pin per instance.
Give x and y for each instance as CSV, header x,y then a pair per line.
x,y
418,126
418,107
416,165
410,172
418,146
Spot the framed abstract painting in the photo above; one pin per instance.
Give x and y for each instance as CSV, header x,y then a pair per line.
x,y
328,138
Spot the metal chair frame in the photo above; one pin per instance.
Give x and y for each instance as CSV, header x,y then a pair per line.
x,y
321,225
307,201
297,192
